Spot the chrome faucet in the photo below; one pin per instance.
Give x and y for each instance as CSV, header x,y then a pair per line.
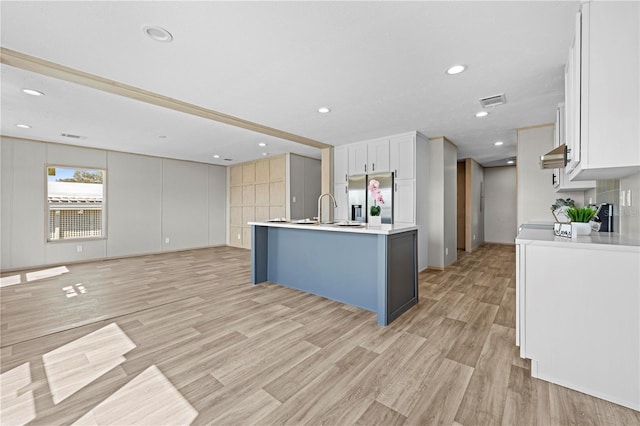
x,y
320,205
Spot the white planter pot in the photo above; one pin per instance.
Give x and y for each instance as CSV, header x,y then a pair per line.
x,y
579,229
375,220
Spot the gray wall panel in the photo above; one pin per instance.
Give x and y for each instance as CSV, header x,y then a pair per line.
x,y
134,203
6,203
28,225
217,205
185,200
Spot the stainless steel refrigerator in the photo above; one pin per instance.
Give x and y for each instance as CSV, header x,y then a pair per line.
x,y
360,199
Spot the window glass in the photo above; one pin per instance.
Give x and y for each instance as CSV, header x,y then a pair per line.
x,y
75,203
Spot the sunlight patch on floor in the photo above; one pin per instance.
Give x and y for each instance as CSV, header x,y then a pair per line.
x,y
17,403
149,399
76,364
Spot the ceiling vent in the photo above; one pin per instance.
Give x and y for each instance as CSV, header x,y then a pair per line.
x,y
491,101
70,136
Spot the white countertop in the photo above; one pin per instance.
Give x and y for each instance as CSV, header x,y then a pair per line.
x,y
383,229
597,240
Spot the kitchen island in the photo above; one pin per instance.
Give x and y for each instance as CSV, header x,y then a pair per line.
x,y
372,268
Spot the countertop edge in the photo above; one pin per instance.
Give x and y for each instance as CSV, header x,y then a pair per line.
x,y
385,229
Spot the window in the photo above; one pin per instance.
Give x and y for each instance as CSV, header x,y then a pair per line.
x,y
75,203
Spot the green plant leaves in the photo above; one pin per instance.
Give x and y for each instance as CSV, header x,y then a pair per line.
x,y
580,214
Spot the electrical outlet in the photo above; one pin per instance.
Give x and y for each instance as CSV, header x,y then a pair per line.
x,y
629,197
446,251
239,236
293,199
474,237
166,240
79,249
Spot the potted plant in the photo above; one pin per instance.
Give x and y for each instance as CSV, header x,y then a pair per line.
x,y
580,217
559,209
376,196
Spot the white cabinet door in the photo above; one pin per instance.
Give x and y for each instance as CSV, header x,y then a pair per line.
x,y
606,146
403,201
342,200
378,156
402,156
340,164
358,159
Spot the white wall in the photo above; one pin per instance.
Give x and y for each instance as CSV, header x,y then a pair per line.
x,y
500,224
442,206
450,203
476,209
535,190
148,199
436,203
422,199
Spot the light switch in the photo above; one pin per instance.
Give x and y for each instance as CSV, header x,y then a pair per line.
x,y
629,197
293,199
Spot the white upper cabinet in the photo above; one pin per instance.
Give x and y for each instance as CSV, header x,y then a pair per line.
x,y
404,201
358,159
402,156
378,156
341,194
340,164
603,124
561,181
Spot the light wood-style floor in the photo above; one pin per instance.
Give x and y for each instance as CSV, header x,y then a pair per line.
x,y
184,337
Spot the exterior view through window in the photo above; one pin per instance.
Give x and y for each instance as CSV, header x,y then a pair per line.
x,y
75,203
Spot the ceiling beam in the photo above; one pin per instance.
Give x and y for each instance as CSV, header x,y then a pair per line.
x,y
51,69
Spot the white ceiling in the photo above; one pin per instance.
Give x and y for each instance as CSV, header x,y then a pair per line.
x,y
380,67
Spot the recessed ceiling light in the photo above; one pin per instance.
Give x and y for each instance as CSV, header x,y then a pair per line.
x,y
158,34
216,156
265,153
23,126
510,162
32,92
262,144
456,69
498,143
323,110
482,114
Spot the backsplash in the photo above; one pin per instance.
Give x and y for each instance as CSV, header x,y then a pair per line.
x,y
608,191
626,218
629,187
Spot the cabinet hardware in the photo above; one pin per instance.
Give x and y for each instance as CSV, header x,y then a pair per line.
x,y
365,168
395,173
373,167
346,179
346,189
396,185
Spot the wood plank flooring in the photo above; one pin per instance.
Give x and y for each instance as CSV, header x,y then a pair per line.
x,y
185,338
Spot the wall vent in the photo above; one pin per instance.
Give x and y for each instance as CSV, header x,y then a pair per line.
x,y
70,136
491,101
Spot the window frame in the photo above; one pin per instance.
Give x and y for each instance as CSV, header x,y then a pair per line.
x,y
47,209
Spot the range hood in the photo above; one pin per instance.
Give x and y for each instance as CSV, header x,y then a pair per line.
x,y
554,159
